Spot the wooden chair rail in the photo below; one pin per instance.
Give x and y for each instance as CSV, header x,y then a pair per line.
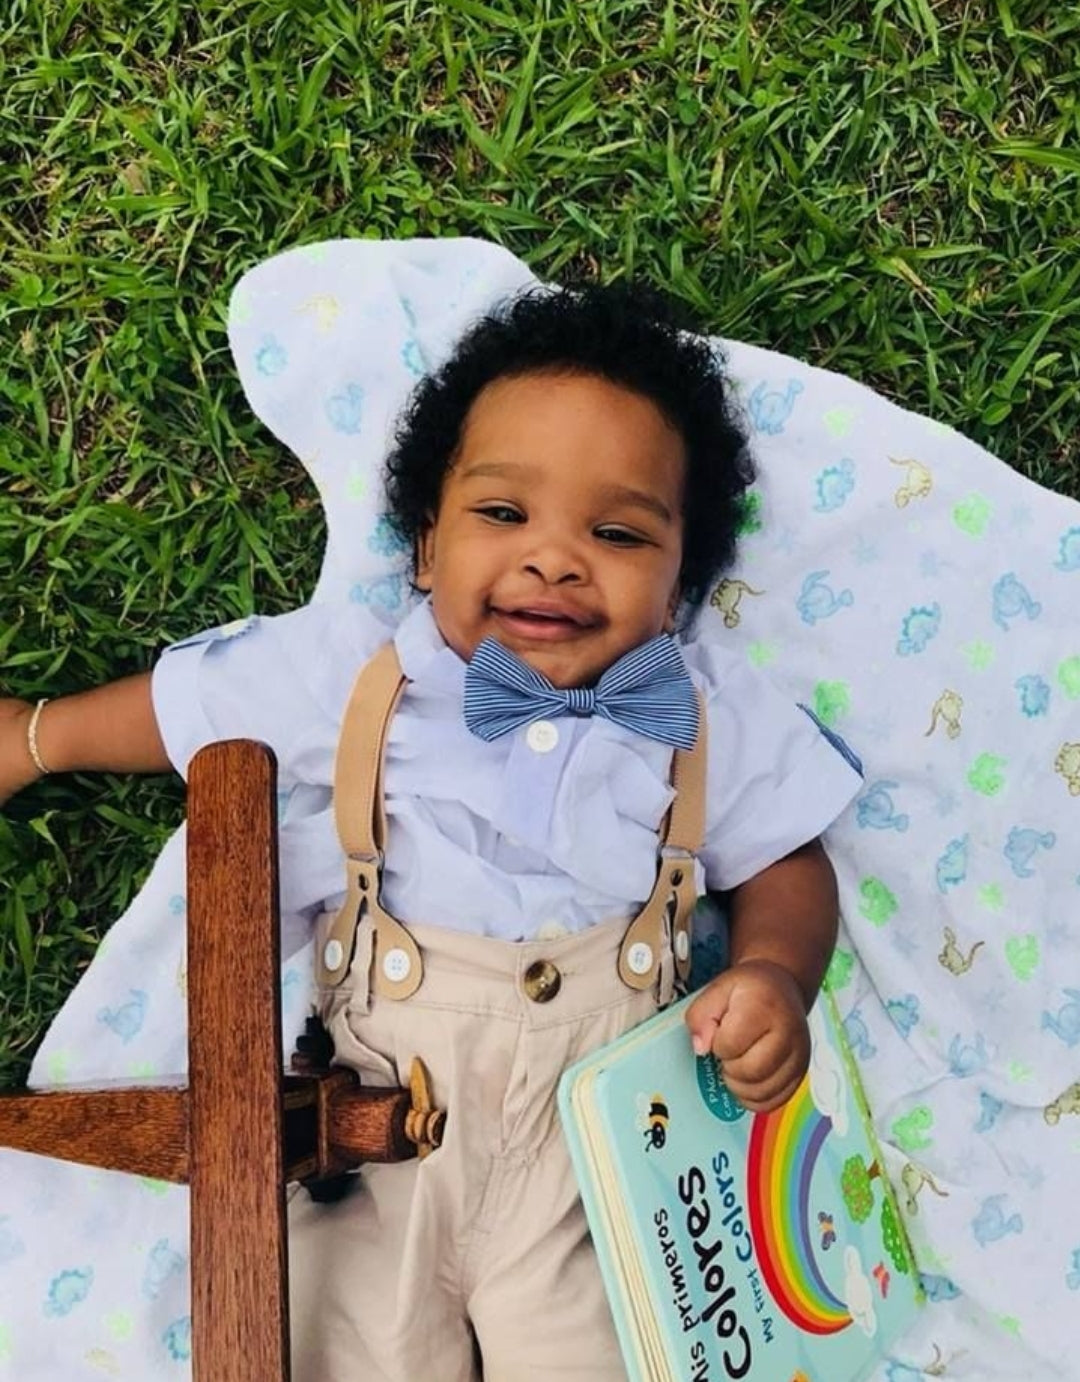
x,y
143,1131
330,1126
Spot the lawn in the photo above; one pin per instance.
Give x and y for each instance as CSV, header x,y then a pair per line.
x,y
891,190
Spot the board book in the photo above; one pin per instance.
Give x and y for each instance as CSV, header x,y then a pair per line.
x,y
765,1247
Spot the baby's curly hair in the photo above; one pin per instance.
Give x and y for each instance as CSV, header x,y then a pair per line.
x,y
626,333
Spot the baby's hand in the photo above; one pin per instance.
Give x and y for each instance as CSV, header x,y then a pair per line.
x,y
753,1019
16,766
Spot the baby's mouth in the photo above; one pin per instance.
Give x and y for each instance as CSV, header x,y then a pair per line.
x,y
543,621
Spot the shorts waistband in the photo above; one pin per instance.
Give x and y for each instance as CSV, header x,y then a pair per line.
x,y
575,974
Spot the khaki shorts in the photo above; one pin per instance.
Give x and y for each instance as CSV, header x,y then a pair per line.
x,y
476,1262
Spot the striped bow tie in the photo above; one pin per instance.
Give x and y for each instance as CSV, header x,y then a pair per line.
x,y
647,690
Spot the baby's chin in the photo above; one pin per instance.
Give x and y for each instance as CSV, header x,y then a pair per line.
x,y
563,666
566,663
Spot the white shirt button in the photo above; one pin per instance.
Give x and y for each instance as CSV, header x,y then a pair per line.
x,y
541,736
682,946
396,965
640,958
552,930
333,954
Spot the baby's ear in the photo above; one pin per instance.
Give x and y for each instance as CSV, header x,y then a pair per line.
x,y
673,609
425,556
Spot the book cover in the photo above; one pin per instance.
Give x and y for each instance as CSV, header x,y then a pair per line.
x,y
740,1245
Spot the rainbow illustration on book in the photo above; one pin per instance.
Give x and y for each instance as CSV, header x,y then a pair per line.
x,y
783,1151
790,1240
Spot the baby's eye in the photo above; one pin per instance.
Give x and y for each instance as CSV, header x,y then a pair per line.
x,y
619,537
501,513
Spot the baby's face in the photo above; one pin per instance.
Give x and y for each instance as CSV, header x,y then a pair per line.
x,y
559,530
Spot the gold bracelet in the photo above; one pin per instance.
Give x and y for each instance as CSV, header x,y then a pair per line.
x,y
31,739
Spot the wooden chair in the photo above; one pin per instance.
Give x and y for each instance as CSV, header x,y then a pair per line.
x,y
242,1128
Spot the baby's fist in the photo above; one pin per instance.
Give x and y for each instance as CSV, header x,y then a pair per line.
x,y
753,1019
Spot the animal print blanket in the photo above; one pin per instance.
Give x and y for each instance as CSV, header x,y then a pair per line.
x,y
921,598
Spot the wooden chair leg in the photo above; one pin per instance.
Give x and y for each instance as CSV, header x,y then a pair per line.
x,y
239,1251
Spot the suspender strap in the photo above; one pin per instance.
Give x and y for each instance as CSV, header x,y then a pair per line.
x,y
674,893
360,818
358,766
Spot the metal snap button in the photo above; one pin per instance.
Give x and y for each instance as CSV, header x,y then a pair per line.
x,y
333,954
396,965
541,736
640,958
542,981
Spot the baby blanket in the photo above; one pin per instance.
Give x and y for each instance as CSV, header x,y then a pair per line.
x,y
916,593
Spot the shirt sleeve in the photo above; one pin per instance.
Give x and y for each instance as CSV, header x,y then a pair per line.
x,y
777,777
283,680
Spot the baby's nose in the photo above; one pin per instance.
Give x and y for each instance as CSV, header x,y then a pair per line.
x,y
552,554
555,563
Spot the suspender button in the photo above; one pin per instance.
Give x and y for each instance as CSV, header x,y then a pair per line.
x,y
396,965
640,958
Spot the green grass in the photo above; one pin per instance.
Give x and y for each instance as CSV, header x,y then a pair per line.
x,y
886,189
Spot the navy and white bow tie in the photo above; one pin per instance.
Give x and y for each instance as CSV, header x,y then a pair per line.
x,y
647,690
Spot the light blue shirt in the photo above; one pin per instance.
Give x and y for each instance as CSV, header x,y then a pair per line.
x,y
552,827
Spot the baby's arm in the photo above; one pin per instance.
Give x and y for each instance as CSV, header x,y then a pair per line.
x,y
753,1016
109,729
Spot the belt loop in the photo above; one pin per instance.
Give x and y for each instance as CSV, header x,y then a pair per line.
x,y
665,978
680,910
359,998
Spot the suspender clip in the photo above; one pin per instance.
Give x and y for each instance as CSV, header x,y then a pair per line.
x,y
374,861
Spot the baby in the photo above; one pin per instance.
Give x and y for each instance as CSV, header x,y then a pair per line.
x,y
563,769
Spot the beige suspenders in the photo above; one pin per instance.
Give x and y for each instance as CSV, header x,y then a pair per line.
x,y
397,968
675,890
361,828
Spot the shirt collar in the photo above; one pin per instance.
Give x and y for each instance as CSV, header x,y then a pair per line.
x,y
425,656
